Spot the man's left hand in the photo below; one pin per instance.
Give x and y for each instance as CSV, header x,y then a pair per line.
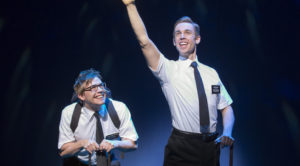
x,y
108,145
225,141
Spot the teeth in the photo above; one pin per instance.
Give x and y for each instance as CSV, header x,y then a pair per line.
x,y
183,43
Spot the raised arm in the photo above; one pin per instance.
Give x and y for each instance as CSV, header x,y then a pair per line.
x,y
149,49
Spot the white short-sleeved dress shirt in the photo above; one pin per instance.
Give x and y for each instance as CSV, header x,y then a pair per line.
x,y
87,126
178,84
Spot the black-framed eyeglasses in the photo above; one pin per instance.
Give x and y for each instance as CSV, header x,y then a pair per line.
x,y
94,88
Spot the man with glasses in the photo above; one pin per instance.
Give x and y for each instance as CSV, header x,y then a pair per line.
x,y
83,144
193,91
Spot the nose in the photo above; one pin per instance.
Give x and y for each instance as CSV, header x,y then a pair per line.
x,y
100,89
182,36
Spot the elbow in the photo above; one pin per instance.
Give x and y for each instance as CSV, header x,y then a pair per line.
x,y
64,152
61,154
64,155
144,41
134,146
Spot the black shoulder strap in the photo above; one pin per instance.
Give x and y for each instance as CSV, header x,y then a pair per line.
x,y
74,123
113,114
111,111
75,117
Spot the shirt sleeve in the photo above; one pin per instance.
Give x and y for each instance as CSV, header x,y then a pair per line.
x,y
65,133
224,98
127,129
163,70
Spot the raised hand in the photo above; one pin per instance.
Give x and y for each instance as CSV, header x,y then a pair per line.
x,y
127,2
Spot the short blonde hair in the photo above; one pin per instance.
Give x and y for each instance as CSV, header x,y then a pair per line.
x,y
187,20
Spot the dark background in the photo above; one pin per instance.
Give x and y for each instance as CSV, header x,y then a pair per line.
x,y
253,44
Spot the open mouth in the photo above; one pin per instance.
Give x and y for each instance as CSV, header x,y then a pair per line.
x,y
183,44
99,96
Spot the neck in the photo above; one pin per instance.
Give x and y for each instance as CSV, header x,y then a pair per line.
x,y
191,56
93,107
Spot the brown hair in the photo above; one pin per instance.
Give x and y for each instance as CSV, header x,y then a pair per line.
x,y
84,78
187,20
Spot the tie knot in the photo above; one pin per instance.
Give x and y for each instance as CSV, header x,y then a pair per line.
x,y
96,115
194,64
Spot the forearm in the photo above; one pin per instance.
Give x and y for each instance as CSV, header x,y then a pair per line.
x,y
149,49
71,148
125,145
228,120
137,25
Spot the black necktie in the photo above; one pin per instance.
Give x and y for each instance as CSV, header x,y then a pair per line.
x,y
204,115
101,157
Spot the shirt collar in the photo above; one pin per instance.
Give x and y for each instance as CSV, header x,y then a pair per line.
x,y
181,58
90,113
187,61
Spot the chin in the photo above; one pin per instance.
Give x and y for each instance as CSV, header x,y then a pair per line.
x,y
184,54
99,101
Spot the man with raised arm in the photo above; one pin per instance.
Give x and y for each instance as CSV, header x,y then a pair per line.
x,y
193,91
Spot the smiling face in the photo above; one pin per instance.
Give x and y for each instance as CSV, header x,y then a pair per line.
x,y
185,40
94,95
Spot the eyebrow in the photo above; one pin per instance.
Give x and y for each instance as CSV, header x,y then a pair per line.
x,y
184,30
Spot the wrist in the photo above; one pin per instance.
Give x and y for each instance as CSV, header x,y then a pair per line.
x,y
228,134
83,143
130,3
115,143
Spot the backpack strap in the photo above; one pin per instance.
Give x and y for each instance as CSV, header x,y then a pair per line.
x,y
113,114
75,117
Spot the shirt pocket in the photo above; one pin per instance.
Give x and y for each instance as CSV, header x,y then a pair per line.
x,y
212,99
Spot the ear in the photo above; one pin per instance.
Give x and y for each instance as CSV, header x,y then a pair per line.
x,y
174,43
198,39
81,97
